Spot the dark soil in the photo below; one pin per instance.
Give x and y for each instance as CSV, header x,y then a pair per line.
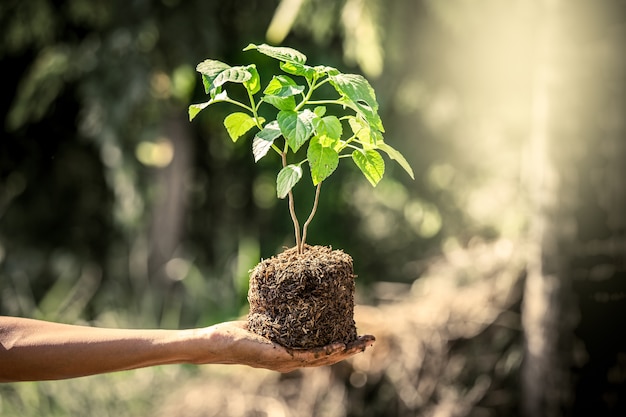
x,y
303,300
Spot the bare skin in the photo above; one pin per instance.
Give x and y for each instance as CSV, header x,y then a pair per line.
x,y
33,350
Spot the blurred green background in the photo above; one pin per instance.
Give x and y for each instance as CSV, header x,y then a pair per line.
x,y
116,211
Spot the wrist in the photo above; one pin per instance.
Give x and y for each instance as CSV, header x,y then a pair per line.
x,y
200,346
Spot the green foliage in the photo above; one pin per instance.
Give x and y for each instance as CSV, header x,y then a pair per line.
x,y
296,122
300,117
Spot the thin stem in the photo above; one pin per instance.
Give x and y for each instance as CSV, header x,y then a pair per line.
x,y
351,146
321,83
292,209
254,109
308,221
311,102
307,97
346,143
277,149
236,103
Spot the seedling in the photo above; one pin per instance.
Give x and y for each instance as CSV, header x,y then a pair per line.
x,y
304,297
300,117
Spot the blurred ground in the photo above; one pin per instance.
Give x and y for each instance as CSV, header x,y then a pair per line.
x,y
449,345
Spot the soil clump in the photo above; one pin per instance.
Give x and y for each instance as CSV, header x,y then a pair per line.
x,y
303,300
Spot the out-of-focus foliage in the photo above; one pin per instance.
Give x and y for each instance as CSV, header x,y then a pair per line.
x,y
125,394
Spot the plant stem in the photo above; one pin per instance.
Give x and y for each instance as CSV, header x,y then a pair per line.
x,y
235,102
308,221
253,108
292,209
312,102
305,99
277,150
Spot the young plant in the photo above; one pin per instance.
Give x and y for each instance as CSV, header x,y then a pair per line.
x,y
300,117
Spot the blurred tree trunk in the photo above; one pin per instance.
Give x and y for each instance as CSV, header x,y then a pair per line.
x,y
598,260
577,262
168,211
545,309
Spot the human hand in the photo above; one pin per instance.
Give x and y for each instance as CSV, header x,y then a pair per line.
x,y
238,345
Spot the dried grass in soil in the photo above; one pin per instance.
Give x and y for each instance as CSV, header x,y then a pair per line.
x,y
303,300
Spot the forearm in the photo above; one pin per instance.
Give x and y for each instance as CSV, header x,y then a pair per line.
x,y
33,350
37,350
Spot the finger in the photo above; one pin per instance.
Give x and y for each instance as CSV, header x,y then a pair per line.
x,y
361,343
313,354
333,349
337,351
330,350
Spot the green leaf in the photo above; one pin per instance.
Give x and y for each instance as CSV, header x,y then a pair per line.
x,y
322,70
295,126
237,124
280,91
371,164
281,103
194,109
301,70
367,137
281,53
360,128
356,88
287,178
323,160
263,140
328,126
320,111
216,73
283,86
372,117
396,156
330,142
210,68
233,75
358,94
253,85
375,137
